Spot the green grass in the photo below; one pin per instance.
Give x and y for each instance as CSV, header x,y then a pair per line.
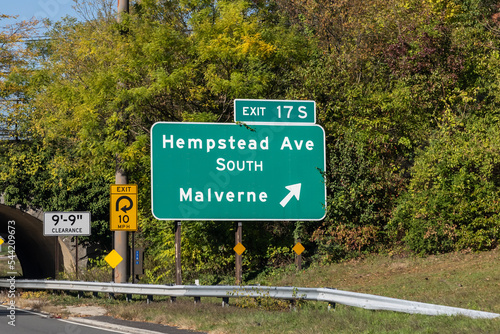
x,y
460,280
308,319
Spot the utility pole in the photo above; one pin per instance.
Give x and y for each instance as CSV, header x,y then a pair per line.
x,y
122,8
121,237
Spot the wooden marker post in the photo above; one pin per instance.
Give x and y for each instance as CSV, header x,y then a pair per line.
x,y
238,258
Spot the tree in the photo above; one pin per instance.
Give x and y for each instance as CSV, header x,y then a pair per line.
x,y
17,61
101,85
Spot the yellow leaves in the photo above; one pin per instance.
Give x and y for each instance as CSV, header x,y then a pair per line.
x,y
15,56
447,8
23,162
236,47
232,45
233,36
255,45
406,4
467,97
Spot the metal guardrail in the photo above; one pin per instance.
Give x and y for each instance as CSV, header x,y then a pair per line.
x,y
332,296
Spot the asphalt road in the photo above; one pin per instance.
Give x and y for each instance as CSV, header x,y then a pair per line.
x,y
27,322
33,323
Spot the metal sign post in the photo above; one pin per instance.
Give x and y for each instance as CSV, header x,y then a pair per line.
x,y
56,256
178,263
133,258
76,257
56,223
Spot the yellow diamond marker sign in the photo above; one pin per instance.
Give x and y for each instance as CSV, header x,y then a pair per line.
x,y
113,259
298,248
239,248
1,241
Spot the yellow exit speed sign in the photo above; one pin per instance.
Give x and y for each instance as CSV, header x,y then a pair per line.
x,y
123,207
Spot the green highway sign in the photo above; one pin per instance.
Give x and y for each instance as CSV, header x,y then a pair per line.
x,y
221,171
274,111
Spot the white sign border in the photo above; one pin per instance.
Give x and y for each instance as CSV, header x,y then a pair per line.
x,y
86,228
274,123
242,219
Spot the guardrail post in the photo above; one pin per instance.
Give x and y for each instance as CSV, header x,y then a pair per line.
x,y
149,299
173,299
128,297
225,301
197,300
331,306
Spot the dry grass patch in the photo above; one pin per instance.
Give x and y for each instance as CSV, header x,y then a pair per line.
x,y
461,280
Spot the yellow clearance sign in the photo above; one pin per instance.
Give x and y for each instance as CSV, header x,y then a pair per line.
x,y
123,207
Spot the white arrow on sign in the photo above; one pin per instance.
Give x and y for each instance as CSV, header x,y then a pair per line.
x,y
294,191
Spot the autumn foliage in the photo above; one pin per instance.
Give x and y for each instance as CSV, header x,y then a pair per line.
x,y
407,91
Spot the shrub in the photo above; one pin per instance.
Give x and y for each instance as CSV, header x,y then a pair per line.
x,y
453,199
362,185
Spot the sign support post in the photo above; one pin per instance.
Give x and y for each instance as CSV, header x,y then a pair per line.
x,y
58,223
298,258
56,257
76,258
238,258
178,263
133,253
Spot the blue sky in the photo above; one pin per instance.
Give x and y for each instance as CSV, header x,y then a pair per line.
x,y
41,9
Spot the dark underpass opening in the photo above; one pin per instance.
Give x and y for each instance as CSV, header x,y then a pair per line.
x,y
36,253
